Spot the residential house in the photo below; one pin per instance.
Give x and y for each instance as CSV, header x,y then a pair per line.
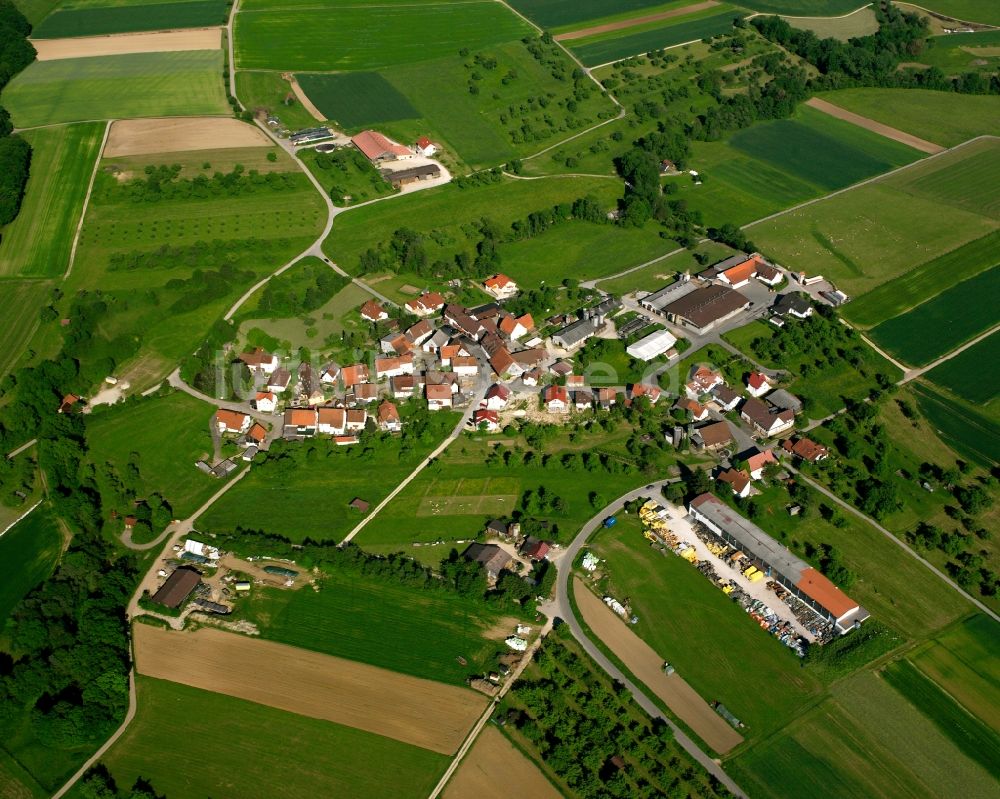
x,y
556,399
459,319
393,366
606,397
259,361
232,421
465,365
706,379
388,417
534,548
504,364
757,462
767,274
371,311
758,384
487,420
726,398
637,390
561,369
402,386
425,147
492,558
532,377
500,286
331,421
395,343
435,342
699,413
365,393
575,381
713,436
583,400
516,327
354,374
279,380
807,449
356,420
419,333
433,377
300,422
764,419
264,402
739,481
329,373
438,397
256,434
426,304
525,359
497,397
793,304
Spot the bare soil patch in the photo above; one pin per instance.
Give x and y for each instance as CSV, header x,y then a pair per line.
x,y
875,127
303,97
631,23
641,659
122,43
495,769
419,712
181,134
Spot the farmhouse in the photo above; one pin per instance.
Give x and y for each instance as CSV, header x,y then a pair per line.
x,y
651,346
739,481
178,587
534,548
425,147
465,365
426,304
232,421
516,327
355,373
377,148
699,412
393,366
402,386
486,420
758,384
331,421
767,274
807,449
438,397
279,380
414,174
765,420
713,436
757,462
259,361
503,364
364,393
725,397
497,397
704,308
419,333
736,271
299,422
793,304
373,312
388,417
575,333
778,563
492,558
357,418
500,286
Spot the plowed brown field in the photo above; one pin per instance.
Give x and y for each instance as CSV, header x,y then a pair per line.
x,y
123,43
494,769
641,659
180,134
420,712
622,24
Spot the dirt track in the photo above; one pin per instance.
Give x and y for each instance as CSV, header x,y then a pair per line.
x,y
631,23
180,134
122,43
640,658
420,712
303,97
875,127
494,769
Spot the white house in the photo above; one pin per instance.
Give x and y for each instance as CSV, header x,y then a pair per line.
x,y
259,361
232,421
264,402
497,397
425,147
500,286
464,365
331,421
438,397
329,374
758,384
486,420
279,380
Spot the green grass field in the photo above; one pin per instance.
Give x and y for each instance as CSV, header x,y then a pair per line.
x,y
967,10
944,118
924,282
117,87
356,99
970,52
965,374
943,323
95,21
673,600
566,14
803,8
268,90
347,173
405,629
25,299
38,241
594,51
359,38
969,432
29,551
314,757
169,433
868,236
656,276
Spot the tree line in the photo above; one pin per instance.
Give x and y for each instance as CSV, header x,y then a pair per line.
x,y
16,52
164,183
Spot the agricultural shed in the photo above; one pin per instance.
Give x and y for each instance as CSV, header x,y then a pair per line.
x,y
178,587
706,307
649,347
281,571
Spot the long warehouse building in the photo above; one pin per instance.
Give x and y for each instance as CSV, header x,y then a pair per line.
x,y
778,563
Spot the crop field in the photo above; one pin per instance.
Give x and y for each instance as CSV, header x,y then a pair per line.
x,y
865,741
495,769
26,299
315,757
97,20
945,118
551,14
924,282
122,86
28,551
943,323
38,241
965,662
965,374
360,38
803,8
970,433
356,99
863,238
603,48
968,10
427,714
745,659
401,628
169,434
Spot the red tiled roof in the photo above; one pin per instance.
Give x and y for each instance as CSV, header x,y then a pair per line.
x,y
438,392
825,593
374,145
556,393
498,281
231,419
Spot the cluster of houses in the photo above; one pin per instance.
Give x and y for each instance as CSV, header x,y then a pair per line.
x,y
496,558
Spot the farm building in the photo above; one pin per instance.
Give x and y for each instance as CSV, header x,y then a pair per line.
x,y
651,346
661,298
765,419
491,557
281,571
377,148
778,563
310,136
404,177
177,588
575,333
704,308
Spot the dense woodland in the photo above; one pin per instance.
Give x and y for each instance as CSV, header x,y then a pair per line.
x,y
16,53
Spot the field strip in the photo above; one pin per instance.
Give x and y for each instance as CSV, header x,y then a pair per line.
x,y
123,43
841,16
180,134
875,127
303,97
647,665
948,356
86,201
631,23
431,715
496,769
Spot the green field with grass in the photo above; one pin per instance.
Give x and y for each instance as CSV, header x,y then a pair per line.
x,y
308,497
97,20
803,8
966,10
924,282
566,13
673,600
38,241
269,90
356,99
36,10
969,52
943,323
347,176
360,38
601,50
864,238
656,276
169,434
402,628
944,118
314,757
117,87
26,298
968,431
969,375
28,551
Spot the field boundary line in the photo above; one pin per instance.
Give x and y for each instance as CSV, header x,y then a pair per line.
x,y
86,199
230,51
949,355
869,124
942,15
634,22
790,16
19,518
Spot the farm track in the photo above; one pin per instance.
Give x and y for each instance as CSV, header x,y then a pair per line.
x,y
86,200
624,24
888,132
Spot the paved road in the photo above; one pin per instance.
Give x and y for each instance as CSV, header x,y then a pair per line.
x,y
561,607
